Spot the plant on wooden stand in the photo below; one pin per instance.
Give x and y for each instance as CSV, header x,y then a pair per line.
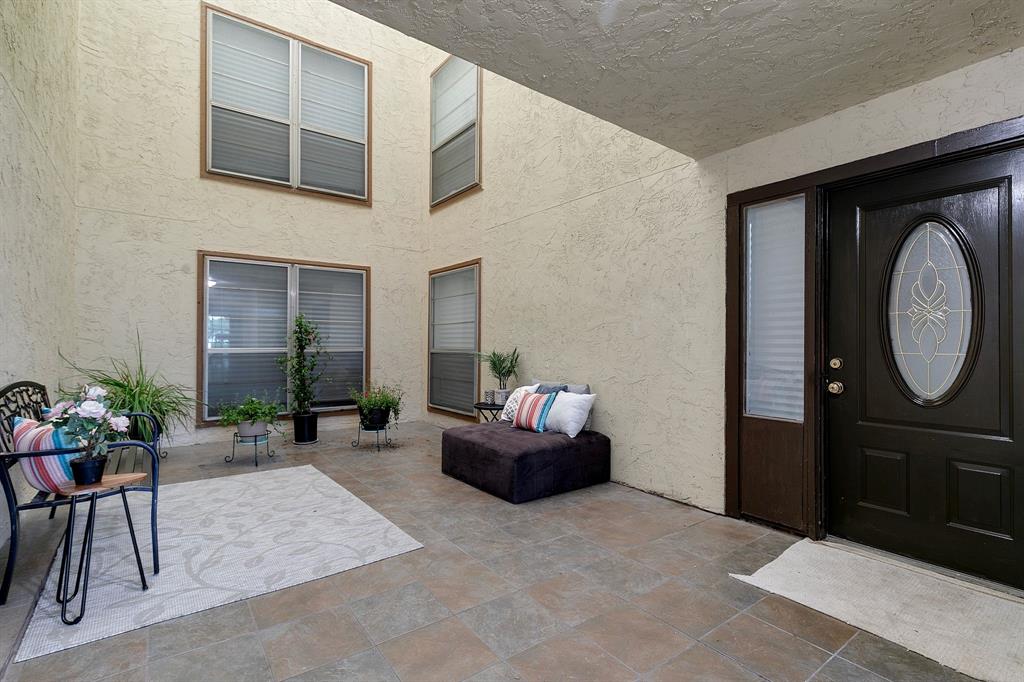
x,y
303,375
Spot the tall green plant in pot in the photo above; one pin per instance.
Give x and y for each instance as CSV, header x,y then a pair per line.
x,y
301,366
503,367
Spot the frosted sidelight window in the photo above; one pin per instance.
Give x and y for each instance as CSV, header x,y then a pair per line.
x,y
453,339
282,111
454,138
774,309
249,306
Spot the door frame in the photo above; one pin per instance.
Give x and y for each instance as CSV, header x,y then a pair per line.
x,y
810,483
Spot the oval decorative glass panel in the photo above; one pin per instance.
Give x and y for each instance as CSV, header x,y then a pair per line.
x,y
929,311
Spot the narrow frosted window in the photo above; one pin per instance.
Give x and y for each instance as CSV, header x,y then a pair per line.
x,y
454,143
453,339
774,309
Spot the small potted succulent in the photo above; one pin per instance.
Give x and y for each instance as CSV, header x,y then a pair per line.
x,y
378,406
252,418
87,419
503,367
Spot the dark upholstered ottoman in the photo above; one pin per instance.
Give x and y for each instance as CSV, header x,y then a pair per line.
x,y
519,466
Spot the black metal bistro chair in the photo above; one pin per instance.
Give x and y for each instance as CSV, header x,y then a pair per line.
x,y
27,399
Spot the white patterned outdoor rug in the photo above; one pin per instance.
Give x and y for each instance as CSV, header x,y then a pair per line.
x,y
221,540
965,626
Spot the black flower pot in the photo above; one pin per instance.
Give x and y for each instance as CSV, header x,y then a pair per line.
x,y
375,419
305,428
88,471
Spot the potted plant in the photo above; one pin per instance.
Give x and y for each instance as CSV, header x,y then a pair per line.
x,y
133,388
252,418
503,367
378,406
301,368
90,421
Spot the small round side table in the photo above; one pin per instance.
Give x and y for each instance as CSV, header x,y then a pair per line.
x,y
491,412
74,492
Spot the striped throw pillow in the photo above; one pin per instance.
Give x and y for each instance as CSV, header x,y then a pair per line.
x,y
48,473
533,411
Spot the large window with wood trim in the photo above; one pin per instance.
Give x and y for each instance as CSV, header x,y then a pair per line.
x,y
454,129
247,305
282,110
453,367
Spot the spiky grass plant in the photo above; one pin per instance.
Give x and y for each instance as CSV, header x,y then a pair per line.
x,y
131,387
503,366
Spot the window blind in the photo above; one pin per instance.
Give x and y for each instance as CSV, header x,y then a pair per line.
x,y
453,138
453,339
333,120
284,111
335,301
246,331
250,307
774,309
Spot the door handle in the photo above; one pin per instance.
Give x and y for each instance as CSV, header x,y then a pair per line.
x,y
835,387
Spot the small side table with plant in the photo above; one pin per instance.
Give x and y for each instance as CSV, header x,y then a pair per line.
x,y
379,407
503,367
252,420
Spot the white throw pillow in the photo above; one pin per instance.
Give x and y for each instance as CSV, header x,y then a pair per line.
x,y
569,412
512,404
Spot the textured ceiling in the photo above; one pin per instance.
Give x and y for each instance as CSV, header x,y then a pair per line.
x,y
705,76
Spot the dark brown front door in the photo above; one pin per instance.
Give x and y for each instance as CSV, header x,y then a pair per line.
x,y
925,326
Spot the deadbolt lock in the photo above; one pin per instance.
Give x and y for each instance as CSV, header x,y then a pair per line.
x,y
836,387
835,363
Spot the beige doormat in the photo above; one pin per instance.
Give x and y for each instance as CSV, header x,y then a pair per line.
x,y
970,628
221,540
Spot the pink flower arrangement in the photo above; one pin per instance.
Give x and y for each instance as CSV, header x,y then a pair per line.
x,y
88,420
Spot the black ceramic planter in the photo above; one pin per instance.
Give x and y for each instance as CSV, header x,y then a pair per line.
x,y
305,428
88,471
375,419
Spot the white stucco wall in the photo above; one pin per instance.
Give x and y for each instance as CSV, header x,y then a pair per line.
x,y
38,222
145,211
604,254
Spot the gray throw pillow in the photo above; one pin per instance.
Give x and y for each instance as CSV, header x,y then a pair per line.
x,y
583,389
552,388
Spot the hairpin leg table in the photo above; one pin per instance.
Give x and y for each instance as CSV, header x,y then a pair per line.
x,y
81,493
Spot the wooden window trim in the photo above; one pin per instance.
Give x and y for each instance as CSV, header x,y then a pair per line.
x,y
479,184
201,287
477,262
204,106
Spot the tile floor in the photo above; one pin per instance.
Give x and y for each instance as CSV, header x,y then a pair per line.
x,y
607,583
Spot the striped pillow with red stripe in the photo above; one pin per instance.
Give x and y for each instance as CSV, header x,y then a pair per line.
x,y
48,473
533,411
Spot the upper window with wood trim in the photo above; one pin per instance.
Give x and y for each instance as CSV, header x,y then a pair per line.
x,y
454,129
247,307
284,111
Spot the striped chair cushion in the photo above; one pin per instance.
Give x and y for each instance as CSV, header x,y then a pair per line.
x,y
533,411
43,473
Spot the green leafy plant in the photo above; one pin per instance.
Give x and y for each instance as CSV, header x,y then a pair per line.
x,y
131,387
503,366
379,397
252,410
301,365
